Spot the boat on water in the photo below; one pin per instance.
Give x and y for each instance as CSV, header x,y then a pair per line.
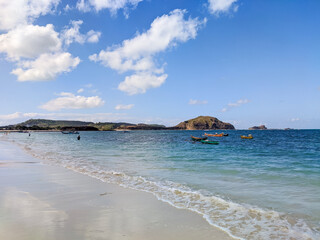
x,y
209,142
225,134
69,132
247,137
214,135
198,139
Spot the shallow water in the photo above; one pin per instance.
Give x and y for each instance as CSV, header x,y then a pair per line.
x,y
264,188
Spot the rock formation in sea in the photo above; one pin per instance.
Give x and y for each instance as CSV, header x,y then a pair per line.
x,y
262,127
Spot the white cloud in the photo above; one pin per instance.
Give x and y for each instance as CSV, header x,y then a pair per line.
x,y
137,54
295,119
72,34
238,103
29,41
80,90
112,5
37,51
220,6
235,104
21,12
140,82
10,116
46,67
83,6
197,102
124,107
93,36
71,101
67,8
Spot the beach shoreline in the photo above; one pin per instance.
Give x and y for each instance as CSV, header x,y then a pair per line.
x,y
40,201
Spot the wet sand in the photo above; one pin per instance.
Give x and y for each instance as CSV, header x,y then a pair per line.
x,y
39,201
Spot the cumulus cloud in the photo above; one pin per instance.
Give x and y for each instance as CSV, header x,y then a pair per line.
x,y
140,82
197,102
29,41
137,54
71,101
222,6
93,36
21,12
124,107
46,67
72,34
112,5
38,50
80,90
235,104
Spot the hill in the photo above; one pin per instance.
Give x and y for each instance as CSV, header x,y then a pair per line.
x,y
44,124
199,123
204,122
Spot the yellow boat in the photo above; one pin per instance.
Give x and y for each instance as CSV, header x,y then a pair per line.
x,y
247,137
214,135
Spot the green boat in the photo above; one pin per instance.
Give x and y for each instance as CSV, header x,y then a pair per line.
x,y
209,142
197,139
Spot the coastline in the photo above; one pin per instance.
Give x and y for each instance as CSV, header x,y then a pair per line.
x,y
39,201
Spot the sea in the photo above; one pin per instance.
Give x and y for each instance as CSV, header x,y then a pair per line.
x,y
267,187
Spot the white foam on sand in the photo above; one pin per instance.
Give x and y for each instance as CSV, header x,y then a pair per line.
x,y
238,220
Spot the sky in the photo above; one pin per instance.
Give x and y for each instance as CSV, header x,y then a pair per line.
x,y
161,61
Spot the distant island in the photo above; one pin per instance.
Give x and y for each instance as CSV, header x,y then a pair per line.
x,y
199,123
262,127
203,123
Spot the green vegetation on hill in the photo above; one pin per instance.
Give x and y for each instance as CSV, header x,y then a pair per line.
x,y
199,123
44,124
204,122
110,126
53,124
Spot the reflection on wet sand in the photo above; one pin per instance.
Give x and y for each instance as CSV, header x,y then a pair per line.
x,y
26,217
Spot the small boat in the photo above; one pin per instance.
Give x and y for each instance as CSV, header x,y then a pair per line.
x,y
247,137
69,132
198,139
209,142
214,135
225,134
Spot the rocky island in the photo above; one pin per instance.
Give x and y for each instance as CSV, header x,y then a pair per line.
x,y
262,127
204,122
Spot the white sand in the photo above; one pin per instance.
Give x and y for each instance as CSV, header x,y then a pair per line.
x,y
47,202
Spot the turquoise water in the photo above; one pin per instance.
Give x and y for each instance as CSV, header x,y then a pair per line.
x,y
264,188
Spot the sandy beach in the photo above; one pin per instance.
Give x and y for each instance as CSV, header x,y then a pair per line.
x,y
39,201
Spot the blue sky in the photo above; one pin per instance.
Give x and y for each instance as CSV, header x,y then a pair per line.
x,y
161,61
